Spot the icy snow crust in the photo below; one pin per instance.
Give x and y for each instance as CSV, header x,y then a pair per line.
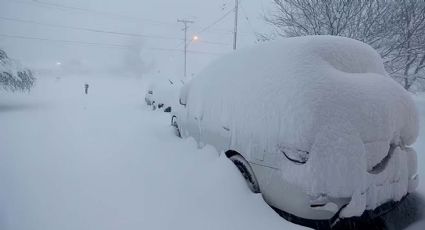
x,y
326,95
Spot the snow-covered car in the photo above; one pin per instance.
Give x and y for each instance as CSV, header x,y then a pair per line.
x,y
313,123
163,94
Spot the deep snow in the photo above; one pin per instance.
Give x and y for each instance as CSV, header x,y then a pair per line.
x,y
106,161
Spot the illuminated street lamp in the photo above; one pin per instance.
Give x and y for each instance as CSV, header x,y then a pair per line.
x,y
195,38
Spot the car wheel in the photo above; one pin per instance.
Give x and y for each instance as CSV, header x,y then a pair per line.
x,y
246,172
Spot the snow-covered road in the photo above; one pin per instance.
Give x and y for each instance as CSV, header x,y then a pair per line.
x,y
105,161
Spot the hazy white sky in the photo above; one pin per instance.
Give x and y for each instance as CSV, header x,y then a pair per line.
x,y
155,18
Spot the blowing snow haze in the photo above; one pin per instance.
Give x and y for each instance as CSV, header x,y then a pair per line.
x,y
220,115
140,37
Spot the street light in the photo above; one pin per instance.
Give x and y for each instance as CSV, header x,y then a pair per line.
x,y
195,38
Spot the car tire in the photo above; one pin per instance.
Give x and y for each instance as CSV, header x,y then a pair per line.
x,y
246,171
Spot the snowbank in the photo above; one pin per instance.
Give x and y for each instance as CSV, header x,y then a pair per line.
x,y
326,95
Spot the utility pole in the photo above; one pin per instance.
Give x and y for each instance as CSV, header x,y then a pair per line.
x,y
185,22
235,32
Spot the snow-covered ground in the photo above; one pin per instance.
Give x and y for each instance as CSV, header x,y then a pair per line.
x,y
106,161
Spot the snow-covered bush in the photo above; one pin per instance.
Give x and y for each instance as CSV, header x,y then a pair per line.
x,y
12,76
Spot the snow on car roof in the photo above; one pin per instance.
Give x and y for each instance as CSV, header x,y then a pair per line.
x,y
307,79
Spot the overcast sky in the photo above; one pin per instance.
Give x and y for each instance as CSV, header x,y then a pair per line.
x,y
157,19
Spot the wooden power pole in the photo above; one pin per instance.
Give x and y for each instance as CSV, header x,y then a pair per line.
x,y
235,31
185,22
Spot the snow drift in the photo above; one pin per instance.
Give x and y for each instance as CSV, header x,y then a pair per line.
x,y
329,96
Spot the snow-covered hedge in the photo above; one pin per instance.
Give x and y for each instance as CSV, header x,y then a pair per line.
x,y
12,76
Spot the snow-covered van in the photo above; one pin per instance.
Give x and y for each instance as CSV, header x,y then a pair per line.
x,y
313,123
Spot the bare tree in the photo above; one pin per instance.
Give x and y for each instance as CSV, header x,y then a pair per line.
x,y
358,19
404,50
393,27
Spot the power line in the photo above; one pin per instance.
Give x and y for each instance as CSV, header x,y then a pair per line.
x,y
209,26
120,46
106,13
247,19
189,51
100,31
64,41
216,21
50,5
56,6
85,28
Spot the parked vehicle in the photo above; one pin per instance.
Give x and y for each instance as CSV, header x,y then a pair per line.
x,y
313,123
163,94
